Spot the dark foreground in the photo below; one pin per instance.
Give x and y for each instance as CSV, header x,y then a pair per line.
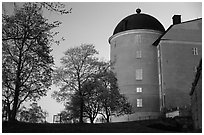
x,y
150,126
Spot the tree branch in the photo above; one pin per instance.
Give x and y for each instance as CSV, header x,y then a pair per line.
x,y
12,56
21,101
103,115
11,38
27,77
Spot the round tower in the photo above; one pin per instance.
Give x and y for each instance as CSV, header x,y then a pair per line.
x,y
136,64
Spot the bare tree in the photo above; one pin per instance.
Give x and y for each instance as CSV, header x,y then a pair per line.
x,y
77,65
98,94
26,60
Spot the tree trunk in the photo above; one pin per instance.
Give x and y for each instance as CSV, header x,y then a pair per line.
x,y
8,111
107,119
81,101
16,94
107,115
81,109
15,104
92,120
17,84
81,98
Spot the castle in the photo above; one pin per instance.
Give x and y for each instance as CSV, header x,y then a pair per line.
x,y
155,67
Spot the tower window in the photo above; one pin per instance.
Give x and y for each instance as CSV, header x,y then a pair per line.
x,y
138,54
138,74
139,89
195,51
139,102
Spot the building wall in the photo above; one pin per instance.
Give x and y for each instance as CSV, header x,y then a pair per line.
x,y
196,102
124,49
178,69
178,62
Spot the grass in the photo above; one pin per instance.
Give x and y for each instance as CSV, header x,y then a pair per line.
x,y
150,126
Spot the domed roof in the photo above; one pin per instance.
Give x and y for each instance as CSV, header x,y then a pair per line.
x,y
139,21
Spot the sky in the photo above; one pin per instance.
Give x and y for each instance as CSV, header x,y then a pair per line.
x,y
94,23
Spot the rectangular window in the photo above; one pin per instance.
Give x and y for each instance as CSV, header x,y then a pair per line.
x,y
139,102
138,54
139,89
138,74
195,51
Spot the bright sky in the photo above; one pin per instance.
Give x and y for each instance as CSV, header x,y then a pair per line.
x,y
95,22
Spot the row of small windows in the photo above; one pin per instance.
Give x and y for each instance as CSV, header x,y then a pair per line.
x,y
139,53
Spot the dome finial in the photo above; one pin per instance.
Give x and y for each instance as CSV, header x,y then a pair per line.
x,y
138,10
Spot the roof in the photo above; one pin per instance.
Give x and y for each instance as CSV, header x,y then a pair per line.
x,y
139,21
173,26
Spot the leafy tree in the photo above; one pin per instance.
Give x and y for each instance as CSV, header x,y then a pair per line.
x,y
26,60
34,114
77,65
100,95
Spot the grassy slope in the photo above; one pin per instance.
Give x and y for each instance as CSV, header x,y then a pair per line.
x,y
125,127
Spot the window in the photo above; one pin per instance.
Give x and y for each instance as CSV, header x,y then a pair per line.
x,y
138,74
139,102
139,89
195,51
138,54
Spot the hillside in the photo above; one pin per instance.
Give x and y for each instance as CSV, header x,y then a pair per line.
x,y
149,126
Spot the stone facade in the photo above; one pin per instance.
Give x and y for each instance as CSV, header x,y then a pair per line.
x,y
133,50
180,50
196,99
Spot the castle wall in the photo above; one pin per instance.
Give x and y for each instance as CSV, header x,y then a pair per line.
x,y
178,64
132,50
180,51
